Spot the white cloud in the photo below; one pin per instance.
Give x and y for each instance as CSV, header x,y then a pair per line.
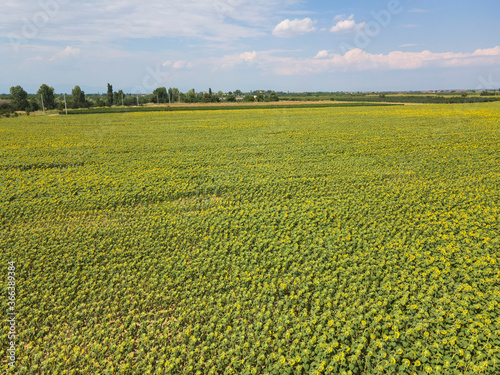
x,y
487,52
181,64
346,25
248,56
407,45
321,54
68,52
289,28
230,61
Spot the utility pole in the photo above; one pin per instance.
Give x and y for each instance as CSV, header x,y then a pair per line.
x,y
157,98
122,100
137,99
43,108
65,106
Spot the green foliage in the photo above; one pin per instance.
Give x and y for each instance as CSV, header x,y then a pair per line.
x,y
33,104
100,102
4,104
78,98
174,94
249,98
207,97
210,98
110,95
130,100
273,97
6,109
118,96
19,98
48,96
342,240
191,96
159,95
230,98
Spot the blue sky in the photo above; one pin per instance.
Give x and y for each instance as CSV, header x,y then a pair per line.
x,y
287,45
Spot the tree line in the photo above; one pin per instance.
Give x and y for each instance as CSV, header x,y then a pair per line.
x,y
21,101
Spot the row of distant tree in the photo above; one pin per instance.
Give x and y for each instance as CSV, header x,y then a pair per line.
x,y
21,101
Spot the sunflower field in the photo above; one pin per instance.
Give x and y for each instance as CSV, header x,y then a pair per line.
x,y
356,240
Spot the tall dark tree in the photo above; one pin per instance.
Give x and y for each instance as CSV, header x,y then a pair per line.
x,y
48,96
19,98
78,97
110,95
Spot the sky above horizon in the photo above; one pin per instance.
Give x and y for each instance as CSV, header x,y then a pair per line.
x,y
283,45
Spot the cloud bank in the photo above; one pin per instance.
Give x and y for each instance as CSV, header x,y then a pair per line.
x,y
359,60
